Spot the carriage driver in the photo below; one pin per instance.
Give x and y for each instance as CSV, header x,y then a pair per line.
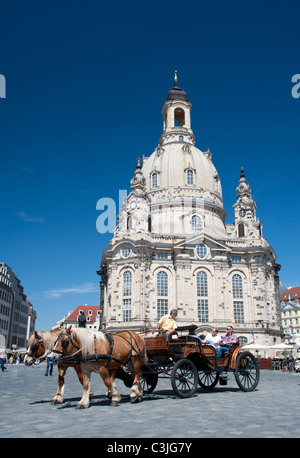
x,y
167,323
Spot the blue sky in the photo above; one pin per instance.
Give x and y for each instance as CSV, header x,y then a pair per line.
x,y
86,82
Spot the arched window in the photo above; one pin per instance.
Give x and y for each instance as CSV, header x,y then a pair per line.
x,y
202,284
129,222
162,290
202,293
238,305
190,176
127,283
154,180
237,287
196,223
241,230
162,284
179,117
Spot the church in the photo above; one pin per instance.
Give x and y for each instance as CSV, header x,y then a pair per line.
x,y
172,248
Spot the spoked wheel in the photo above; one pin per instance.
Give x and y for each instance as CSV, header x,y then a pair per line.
x,y
148,380
184,378
246,371
208,379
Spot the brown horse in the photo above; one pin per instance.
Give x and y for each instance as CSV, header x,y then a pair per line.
x,y
38,344
104,353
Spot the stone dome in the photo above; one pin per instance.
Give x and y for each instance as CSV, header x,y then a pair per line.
x,y
179,164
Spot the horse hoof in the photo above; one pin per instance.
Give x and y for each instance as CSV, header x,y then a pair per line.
x,y
81,406
114,403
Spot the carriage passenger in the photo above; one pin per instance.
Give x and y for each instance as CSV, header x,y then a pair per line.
x,y
168,323
212,338
227,341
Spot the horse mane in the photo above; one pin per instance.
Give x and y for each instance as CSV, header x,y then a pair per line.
x,y
86,339
48,337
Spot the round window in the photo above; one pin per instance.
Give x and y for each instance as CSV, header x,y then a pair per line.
x,y
201,251
126,252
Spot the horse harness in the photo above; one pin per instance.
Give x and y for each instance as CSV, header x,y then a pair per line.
x,y
76,358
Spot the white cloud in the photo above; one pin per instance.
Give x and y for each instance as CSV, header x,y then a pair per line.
x,y
82,289
31,219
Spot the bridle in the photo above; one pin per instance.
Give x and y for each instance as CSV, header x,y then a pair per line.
x,y
64,344
34,348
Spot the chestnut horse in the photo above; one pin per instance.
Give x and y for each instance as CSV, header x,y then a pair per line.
x,y
38,344
104,353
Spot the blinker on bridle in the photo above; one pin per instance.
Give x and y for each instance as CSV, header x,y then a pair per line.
x,y
34,347
64,343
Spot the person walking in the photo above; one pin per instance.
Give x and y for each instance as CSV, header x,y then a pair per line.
x,y
49,368
3,360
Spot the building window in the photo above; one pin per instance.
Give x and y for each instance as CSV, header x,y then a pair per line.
x,y
241,230
237,292
203,310
196,223
126,251
238,310
202,289
126,309
236,259
162,308
162,284
201,251
161,255
162,290
127,283
237,287
190,176
154,180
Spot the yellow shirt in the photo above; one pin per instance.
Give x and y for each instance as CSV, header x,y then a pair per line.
x,y
167,323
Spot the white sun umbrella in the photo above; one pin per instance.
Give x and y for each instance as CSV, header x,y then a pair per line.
x,y
282,346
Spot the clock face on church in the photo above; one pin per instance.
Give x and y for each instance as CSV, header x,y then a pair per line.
x,y
133,205
242,212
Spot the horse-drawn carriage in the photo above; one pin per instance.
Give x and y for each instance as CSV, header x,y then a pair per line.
x,y
181,357
187,362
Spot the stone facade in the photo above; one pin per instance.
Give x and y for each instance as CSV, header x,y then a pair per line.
x,y
172,248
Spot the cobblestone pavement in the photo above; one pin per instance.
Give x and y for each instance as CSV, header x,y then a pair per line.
x,y
271,411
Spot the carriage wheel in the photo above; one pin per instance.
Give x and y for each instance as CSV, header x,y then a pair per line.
x,y
148,380
246,371
208,379
184,378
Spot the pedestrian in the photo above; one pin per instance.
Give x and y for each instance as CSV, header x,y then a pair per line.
x,y
226,342
49,367
3,360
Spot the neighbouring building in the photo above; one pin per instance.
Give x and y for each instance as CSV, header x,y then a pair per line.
x,y
17,315
172,248
290,314
92,313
